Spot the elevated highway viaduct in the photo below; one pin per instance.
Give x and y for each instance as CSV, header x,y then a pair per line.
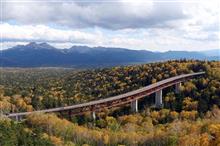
x,y
119,100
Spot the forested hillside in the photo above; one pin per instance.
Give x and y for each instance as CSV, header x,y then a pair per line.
x,y
189,118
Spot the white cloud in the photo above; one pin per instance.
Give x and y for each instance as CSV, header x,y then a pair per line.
x,y
45,33
156,39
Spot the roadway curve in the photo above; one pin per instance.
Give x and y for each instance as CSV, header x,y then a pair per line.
x,y
114,101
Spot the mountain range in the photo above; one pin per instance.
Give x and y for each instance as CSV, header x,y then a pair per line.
x,y
45,55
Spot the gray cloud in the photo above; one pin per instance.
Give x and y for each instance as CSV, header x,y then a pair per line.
x,y
137,24
110,15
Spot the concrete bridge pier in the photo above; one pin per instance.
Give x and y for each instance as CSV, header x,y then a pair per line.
x,y
18,118
177,88
134,106
93,115
158,99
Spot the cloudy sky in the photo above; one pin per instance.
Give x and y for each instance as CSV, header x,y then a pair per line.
x,y
156,25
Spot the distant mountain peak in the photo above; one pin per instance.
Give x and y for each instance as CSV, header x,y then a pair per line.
x,y
80,49
46,45
34,45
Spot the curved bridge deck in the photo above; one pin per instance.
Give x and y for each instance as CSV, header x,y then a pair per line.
x,y
118,100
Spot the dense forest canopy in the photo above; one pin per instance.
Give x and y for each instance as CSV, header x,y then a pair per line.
x,y
189,118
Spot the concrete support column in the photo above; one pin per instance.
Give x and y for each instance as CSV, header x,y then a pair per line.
x,y
16,118
93,115
134,106
158,99
177,88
